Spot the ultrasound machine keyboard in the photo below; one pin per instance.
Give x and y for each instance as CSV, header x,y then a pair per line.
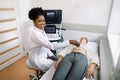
x,y
53,36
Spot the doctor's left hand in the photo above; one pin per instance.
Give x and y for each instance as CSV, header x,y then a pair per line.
x,y
74,42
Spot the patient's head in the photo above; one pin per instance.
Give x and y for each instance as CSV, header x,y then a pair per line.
x,y
83,40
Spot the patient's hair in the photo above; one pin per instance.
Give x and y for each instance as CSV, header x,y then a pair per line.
x,y
86,40
35,12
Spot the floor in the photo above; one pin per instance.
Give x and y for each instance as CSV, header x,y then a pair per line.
x,y
17,71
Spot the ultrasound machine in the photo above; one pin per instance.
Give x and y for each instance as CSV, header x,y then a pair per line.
x,y
53,20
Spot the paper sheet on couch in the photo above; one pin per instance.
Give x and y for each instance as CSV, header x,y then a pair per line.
x,y
49,74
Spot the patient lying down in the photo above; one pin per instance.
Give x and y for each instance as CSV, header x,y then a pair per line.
x,y
76,62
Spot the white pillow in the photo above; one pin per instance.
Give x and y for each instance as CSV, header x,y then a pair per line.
x,y
93,46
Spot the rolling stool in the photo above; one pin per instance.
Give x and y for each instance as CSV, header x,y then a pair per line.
x,y
38,72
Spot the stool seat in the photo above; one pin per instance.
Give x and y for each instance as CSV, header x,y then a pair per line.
x,y
29,65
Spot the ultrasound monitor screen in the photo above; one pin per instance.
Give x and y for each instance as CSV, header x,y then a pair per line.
x,y
53,16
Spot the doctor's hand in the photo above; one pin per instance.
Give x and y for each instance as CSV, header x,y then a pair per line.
x,y
74,42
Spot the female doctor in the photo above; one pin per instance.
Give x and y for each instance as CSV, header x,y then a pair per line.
x,y
40,55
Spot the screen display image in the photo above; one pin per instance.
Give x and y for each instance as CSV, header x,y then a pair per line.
x,y
53,16
50,17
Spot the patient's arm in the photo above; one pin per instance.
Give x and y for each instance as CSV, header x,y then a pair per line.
x,y
90,71
60,57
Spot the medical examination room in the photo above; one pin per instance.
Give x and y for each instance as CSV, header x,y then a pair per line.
x,y
59,40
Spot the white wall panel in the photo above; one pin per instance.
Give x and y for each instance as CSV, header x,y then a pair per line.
x,y
7,25
8,55
8,45
114,25
89,12
9,15
114,42
16,58
10,48
114,31
8,35
73,34
7,3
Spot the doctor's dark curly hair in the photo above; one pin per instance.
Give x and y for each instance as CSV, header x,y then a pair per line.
x,y
35,12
